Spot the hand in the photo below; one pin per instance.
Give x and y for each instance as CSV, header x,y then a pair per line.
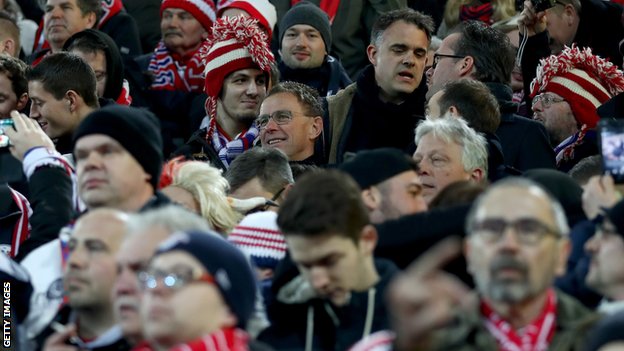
x,y
424,298
600,192
58,340
530,21
27,135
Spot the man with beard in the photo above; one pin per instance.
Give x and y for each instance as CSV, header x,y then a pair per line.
x,y
238,76
514,270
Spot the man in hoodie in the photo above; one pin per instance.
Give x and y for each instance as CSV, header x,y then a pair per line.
x,y
337,298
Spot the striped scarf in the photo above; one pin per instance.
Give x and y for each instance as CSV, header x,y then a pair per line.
x,y
228,339
21,230
109,9
227,147
166,68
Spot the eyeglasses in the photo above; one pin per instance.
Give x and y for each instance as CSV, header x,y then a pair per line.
x,y
546,99
149,280
528,231
280,117
268,203
437,57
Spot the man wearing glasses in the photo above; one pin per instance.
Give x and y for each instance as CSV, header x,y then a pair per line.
x,y
198,294
291,120
514,250
566,93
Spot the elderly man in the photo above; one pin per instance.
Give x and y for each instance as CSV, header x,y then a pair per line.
x,y
476,51
448,151
236,83
566,93
381,108
64,18
199,292
291,120
391,191
305,41
514,250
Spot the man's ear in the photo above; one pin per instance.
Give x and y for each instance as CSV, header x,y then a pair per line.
x,y
477,175
74,100
8,46
91,20
453,111
316,127
368,239
22,101
467,66
371,52
371,198
284,193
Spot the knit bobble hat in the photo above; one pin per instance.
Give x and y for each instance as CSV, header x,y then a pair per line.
x,y
310,14
583,79
204,11
262,10
258,236
234,43
137,130
371,167
227,264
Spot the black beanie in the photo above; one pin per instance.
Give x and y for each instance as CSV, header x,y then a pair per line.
x,y
616,216
137,130
310,14
371,167
226,263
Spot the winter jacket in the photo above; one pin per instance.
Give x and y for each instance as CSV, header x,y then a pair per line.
x,y
573,322
124,31
356,119
327,79
302,321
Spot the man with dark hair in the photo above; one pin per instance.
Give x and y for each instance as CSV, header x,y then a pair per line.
x,y
13,85
391,191
331,241
291,120
305,40
479,52
60,103
64,18
101,53
382,107
9,35
260,172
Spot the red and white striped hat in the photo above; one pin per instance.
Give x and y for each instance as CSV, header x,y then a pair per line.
x,y
203,10
234,43
262,10
258,236
583,79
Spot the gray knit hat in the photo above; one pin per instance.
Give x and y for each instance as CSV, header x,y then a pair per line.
x,y
310,14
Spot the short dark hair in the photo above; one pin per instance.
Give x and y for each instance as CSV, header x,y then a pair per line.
x,y
420,20
54,73
269,165
325,202
306,96
491,50
9,28
94,6
586,168
15,70
475,104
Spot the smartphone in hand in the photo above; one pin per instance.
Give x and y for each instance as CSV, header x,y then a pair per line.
x,y
611,137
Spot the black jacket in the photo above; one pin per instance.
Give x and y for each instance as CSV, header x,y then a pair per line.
x,y
334,328
326,79
124,31
525,142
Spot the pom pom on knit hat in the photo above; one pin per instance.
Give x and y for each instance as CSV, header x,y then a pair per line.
x,y
258,236
234,43
262,10
204,11
583,79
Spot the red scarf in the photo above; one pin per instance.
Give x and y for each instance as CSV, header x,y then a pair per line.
x,y
21,231
166,67
230,339
330,7
109,9
124,97
534,337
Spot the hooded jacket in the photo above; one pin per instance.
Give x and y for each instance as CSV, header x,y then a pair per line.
x,y
302,321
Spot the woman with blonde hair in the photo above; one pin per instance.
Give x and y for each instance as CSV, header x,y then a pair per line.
x,y
201,188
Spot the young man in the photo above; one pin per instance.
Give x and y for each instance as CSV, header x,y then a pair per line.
x,y
236,83
331,241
